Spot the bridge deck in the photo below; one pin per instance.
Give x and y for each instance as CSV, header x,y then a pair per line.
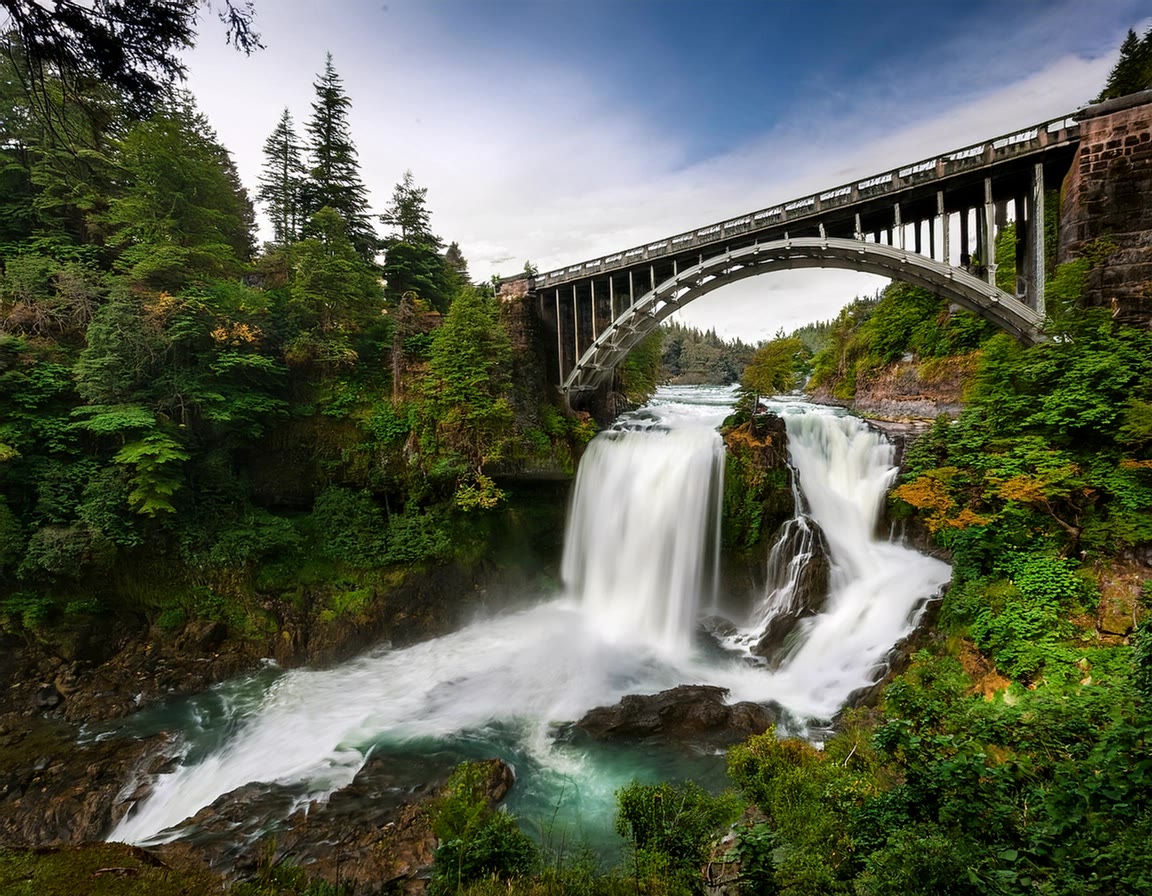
x,y
864,206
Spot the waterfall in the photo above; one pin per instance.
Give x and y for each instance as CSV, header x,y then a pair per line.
x,y
876,588
640,550
639,562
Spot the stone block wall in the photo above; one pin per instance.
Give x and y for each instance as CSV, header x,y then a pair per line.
x,y
1108,194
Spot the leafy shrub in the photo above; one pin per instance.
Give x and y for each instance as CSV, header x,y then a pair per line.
x,y
65,552
390,424
476,841
259,535
416,537
28,609
350,527
671,828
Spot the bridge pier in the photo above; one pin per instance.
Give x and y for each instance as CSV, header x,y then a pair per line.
x,y
1036,273
1108,198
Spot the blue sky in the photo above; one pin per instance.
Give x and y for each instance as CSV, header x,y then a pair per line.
x,y
556,130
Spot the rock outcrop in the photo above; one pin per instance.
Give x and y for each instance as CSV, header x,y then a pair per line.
x,y
373,836
799,570
55,791
689,714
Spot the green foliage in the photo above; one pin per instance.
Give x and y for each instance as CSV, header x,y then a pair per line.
x,y
941,791
156,461
807,799
476,841
1020,633
1133,71
412,263
671,828
69,871
637,376
754,850
417,537
333,289
690,356
284,879
183,213
775,367
466,420
350,527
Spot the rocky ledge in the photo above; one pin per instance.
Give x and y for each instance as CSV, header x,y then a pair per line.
x,y
696,715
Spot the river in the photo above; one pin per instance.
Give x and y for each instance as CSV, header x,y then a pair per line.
x,y
640,568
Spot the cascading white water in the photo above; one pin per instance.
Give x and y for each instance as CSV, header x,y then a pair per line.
x,y
877,588
637,564
641,531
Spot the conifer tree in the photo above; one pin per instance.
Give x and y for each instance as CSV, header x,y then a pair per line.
x,y
412,261
282,183
457,267
1133,71
182,213
335,176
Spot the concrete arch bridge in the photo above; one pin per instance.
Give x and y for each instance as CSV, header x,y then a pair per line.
x,y
932,223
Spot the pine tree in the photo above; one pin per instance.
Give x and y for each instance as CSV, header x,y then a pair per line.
x,y
282,182
412,261
182,213
408,214
457,268
1133,71
335,177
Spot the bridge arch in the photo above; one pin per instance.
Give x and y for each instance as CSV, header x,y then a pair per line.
x,y
648,310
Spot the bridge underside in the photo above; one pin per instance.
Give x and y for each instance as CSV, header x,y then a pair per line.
x,y
594,365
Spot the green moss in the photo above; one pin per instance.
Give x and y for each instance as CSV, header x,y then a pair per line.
x,y
105,869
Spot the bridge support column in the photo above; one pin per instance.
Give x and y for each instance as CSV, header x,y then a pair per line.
x,y
897,226
1036,273
612,296
575,326
965,238
989,253
592,286
559,339
1023,258
944,228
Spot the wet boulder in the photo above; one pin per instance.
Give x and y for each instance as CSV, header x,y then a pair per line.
x,y
373,836
55,791
800,588
694,714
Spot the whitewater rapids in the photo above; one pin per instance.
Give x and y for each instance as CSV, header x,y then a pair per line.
x,y
640,561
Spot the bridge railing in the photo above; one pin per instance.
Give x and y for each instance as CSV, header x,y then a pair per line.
x,y
1055,132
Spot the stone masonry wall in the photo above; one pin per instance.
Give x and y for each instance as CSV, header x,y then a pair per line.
x,y
1108,193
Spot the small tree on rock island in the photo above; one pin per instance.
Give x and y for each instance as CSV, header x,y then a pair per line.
x,y
775,368
468,421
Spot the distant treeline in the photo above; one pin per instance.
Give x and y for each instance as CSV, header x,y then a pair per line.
x,y
693,357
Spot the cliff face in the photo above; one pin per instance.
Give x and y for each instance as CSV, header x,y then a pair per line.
x,y
1108,197
909,390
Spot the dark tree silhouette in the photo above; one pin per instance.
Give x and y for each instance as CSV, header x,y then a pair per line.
x,y
130,45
